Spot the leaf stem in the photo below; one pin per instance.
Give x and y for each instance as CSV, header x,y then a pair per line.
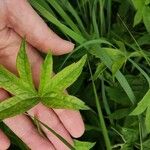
x,y
100,114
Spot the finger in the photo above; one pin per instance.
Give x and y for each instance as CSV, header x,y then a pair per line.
x,y
24,129
4,141
72,121
28,23
48,117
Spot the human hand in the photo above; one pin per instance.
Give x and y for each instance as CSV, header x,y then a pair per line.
x,y
18,19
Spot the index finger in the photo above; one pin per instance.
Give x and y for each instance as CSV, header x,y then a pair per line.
x,y
26,22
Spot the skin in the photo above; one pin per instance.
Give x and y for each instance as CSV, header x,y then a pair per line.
x,y
18,19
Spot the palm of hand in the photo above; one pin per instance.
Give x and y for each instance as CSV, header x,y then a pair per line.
x,y
14,24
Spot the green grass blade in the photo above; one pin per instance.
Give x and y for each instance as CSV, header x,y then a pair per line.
x,y
86,44
101,53
100,114
142,105
141,71
52,131
64,15
74,13
95,25
46,14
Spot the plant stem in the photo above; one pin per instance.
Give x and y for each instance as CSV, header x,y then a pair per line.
x,y
100,114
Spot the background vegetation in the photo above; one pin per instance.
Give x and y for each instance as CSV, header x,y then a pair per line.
x,y
116,77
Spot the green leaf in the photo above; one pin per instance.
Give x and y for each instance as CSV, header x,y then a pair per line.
x,y
64,15
138,18
118,64
147,120
79,145
61,100
24,94
23,65
46,72
147,2
99,70
146,17
138,4
16,105
13,84
142,105
66,77
106,55
49,16
120,113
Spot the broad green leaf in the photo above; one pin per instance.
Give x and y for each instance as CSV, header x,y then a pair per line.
x,y
120,113
146,17
138,17
23,65
61,100
142,105
16,105
118,64
147,2
117,95
13,84
107,60
147,119
66,77
130,135
80,145
46,72
138,4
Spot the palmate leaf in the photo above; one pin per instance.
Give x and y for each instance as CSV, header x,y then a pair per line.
x,y
16,105
13,84
46,73
23,65
50,92
66,77
61,100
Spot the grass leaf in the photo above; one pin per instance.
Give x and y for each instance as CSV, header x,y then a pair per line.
x,y
142,105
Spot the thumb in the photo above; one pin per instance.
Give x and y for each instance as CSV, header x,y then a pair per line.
x,y
26,22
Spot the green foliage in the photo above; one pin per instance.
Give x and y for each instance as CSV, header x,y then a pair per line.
x,y
116,79
83,145
51,89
